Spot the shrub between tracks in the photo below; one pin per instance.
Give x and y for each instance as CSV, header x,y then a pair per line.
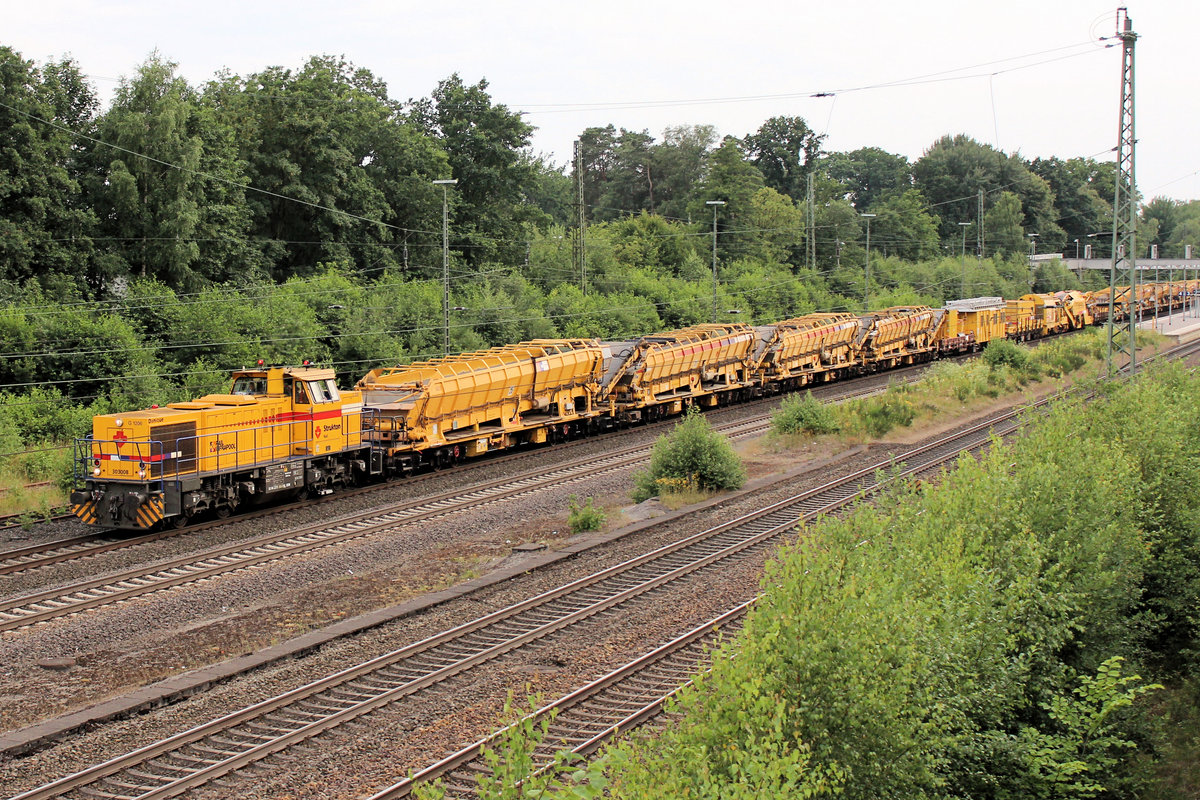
x,y
691,457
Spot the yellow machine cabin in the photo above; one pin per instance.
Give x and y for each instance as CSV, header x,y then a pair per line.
x,y
1049,312
971,323
1020,322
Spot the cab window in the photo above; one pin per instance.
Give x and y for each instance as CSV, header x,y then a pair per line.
x,y
323,391
300,395
246,384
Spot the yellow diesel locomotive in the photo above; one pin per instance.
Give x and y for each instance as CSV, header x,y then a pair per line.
x,y
278,431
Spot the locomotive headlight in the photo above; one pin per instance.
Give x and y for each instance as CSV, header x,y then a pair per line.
x,y
118,422
141,473
96,472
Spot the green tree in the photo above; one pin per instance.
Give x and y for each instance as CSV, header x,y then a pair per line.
x,y
552,192
1083,195
904,227
45,227
1186,231
1004,231
678,163
1162,213
629,183
734,180
955,168
776,225
345,176
149,193
483,142
867,174
785,150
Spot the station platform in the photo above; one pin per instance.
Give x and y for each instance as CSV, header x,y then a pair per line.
x,y
1182,326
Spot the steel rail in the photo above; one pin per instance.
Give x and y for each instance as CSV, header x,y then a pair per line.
x,y
583,720
578,723
38,607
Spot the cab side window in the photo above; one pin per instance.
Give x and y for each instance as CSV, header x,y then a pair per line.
x,y
320,391
300,396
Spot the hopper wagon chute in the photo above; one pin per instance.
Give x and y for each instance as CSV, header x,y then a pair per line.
x,y
440,411
658,375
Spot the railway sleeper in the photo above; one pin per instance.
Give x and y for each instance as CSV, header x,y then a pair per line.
x,y
150,776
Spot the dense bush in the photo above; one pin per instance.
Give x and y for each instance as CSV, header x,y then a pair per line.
x,y
889,410
1004,353
804,414
692,456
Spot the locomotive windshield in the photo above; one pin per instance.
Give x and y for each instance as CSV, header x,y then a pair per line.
x,y
246,384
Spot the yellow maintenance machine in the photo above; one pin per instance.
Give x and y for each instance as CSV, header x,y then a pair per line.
x,y
447,409
898,335
659,374
803,350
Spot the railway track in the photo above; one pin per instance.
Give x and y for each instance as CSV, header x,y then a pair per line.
x,y
43,606
235,741
12,522
41,555
584,720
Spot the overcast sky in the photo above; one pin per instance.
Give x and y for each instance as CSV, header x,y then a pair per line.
x,y
1023,76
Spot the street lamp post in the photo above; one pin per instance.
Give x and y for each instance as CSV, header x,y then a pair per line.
x,y
963,288
867,266
445,184
714,204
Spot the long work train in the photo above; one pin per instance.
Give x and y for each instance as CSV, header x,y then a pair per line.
x,y
283,431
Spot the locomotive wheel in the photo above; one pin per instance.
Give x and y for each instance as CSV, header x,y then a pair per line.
x,y
223,512
179,521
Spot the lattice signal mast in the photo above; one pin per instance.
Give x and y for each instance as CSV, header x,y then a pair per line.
x,y
578,240
1123,338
